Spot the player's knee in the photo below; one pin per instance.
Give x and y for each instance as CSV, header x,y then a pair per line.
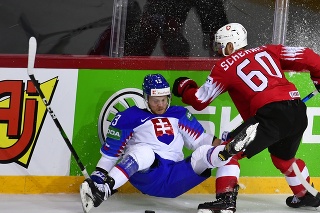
x,y
143,155
199,162
282,165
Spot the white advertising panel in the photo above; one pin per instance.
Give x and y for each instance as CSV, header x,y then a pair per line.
x,y
30,142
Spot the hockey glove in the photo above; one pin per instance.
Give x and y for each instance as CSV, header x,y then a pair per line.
x,y
99,175
316,82
180,84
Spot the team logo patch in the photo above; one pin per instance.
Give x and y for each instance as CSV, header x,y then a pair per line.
x,y
163,130
114,133
294,94
189,115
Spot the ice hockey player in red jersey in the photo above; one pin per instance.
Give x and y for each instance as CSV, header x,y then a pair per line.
x,y
256,83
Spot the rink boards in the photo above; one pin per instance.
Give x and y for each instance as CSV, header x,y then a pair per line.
x,y
85,94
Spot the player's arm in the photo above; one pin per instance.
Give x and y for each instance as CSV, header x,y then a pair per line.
x,y
193,132
314,67
302,58
119,132
187,88
198,98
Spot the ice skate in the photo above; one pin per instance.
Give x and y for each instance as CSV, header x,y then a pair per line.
x,y
307,200
239,142
225,203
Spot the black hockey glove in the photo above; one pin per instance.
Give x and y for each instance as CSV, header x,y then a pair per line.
x,y
102,176
180,84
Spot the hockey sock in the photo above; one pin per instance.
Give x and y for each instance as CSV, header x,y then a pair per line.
x,y
227,176
285,166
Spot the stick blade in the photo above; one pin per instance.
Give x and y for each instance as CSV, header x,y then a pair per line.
x,y
86,197
32,55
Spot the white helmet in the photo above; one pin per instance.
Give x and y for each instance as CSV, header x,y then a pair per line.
x,y
234,33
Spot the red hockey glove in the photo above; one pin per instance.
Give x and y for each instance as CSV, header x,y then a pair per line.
x,y
180,84
316,82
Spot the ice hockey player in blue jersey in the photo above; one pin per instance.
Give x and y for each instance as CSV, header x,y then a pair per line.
x,y
145,147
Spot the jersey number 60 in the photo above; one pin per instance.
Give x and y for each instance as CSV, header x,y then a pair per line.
x,y
258,73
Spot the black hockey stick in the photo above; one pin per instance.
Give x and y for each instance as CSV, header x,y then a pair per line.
x,y
30,69
310,95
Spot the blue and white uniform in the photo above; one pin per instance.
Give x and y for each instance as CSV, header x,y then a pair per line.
x,y
151,150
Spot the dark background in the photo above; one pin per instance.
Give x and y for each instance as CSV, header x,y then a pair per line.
x,y
82,27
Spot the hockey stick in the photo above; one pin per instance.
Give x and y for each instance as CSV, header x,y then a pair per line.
x,y
30,69
310,95
306,185
295,167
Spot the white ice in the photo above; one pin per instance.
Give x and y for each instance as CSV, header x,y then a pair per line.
x,y
138,203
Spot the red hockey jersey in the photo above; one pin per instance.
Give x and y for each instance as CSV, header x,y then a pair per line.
x,y
255,77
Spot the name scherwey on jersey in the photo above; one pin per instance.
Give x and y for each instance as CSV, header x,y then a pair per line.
x,y
253,88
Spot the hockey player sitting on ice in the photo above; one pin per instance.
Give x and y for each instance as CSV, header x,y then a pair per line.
x,y
146,149
256,83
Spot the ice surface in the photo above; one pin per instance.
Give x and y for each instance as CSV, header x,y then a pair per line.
x,y
138,203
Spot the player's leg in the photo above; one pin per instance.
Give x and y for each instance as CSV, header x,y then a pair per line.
x,y
227,175
283,152
241,141
301,197
167,178
208,156
227,178
226,188
171,179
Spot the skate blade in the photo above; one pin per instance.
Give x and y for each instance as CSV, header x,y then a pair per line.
x,y
204,211
251,132
226,211
212,211
86,197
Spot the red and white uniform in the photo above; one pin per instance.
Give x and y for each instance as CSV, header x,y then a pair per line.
x,y
254,78
264,82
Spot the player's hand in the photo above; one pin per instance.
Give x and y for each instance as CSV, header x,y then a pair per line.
x,y
316,82
180,84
